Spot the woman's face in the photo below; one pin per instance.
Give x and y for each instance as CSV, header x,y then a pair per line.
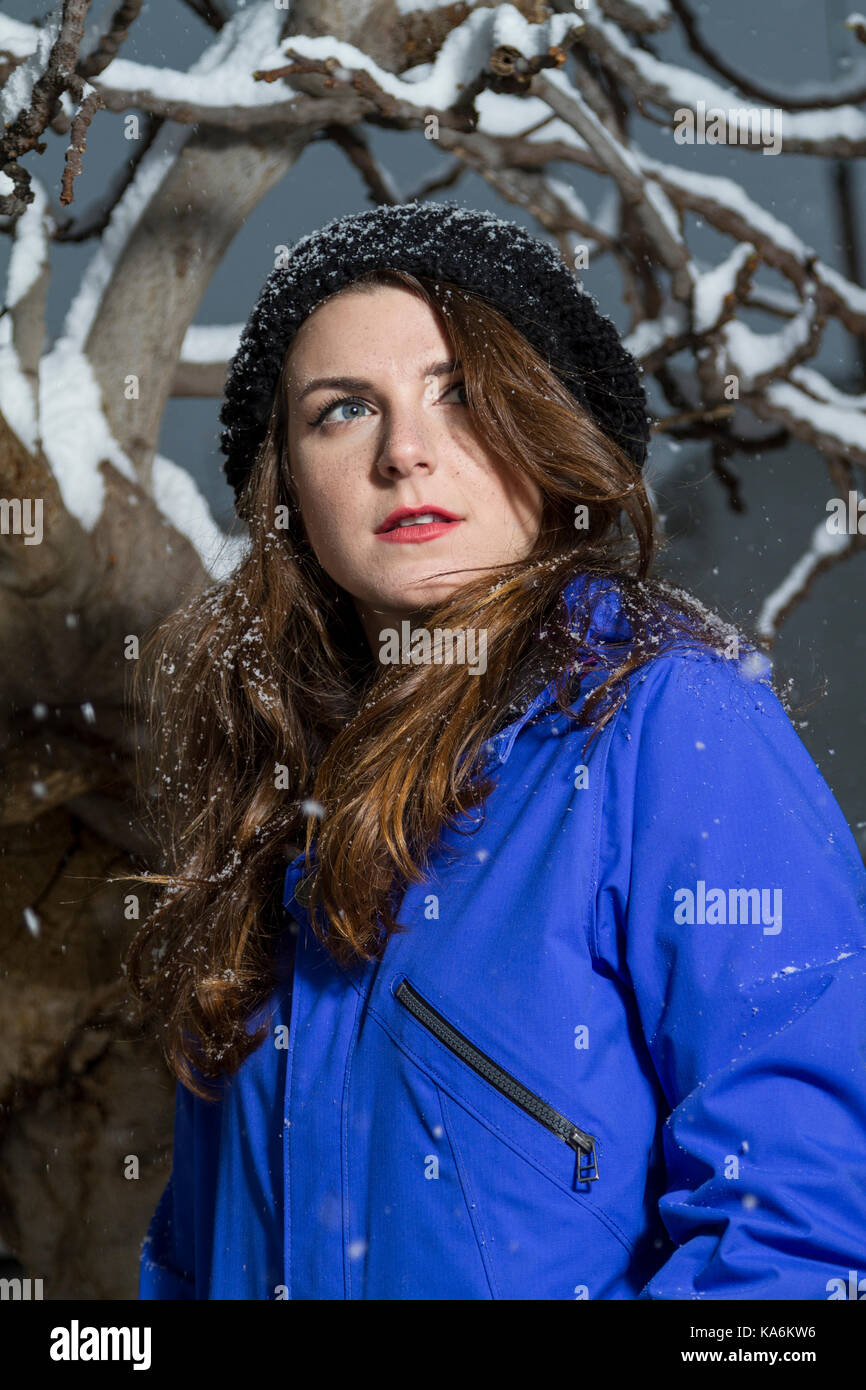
x,y
378,422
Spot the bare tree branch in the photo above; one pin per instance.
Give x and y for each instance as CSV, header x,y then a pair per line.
x,y
110,43
94,220
818,101
210,11
166,263
823,554
648,80
653,212
380,186
77,143
636,17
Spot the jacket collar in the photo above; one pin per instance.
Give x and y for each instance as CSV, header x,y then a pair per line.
x,y
607,625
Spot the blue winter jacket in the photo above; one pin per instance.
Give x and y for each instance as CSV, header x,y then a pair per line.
x,y
619,1051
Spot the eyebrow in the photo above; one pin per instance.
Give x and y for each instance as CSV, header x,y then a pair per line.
x,y
356,383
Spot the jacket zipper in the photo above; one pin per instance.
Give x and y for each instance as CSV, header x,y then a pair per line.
x,y
576,1138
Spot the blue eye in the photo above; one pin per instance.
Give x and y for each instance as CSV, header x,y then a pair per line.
x,y
353,402
338,404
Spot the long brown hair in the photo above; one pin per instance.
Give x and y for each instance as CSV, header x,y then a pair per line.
x,y
272,724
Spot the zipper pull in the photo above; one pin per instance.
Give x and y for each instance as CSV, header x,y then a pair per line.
x,y
587,1163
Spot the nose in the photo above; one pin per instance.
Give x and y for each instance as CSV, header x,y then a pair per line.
x,y
408,440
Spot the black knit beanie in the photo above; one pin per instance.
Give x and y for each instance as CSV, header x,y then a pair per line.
x,y
520,275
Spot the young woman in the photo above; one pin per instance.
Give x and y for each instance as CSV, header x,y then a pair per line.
x,y
561,995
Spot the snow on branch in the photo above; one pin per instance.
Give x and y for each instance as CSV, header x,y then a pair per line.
x,y
814,384
728,208
832,427
840,131
639,16
219,88
236,88
30,48
206,352
21,324
825,549
492,47
177,496
32,92
757,359
653,341
810,95
652,207
857,24
719,291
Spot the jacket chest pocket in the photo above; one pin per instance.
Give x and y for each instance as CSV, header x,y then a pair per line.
x,y
502,1080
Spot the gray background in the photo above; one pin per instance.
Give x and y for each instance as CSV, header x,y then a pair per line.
x,y
730,561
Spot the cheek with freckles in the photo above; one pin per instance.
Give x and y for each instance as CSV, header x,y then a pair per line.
x,y
333,507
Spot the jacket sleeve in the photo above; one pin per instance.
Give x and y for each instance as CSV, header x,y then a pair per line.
x,y
167,1266
752,1003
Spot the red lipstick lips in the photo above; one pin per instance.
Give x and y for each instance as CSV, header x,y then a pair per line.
x,y
392,530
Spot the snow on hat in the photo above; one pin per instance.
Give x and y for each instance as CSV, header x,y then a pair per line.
x,y
519,274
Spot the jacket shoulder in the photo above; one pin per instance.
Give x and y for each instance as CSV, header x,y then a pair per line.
x,y
699,683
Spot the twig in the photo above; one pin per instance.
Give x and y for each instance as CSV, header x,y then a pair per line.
x,y
435,182
23,134
350,140
93,221
210,11
77,144
108,46
687,417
